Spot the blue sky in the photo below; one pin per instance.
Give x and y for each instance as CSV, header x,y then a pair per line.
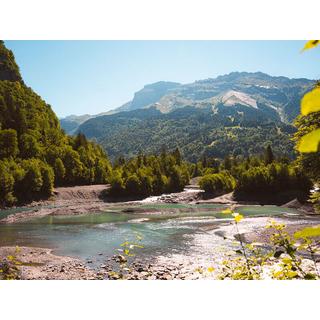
x,y
78,77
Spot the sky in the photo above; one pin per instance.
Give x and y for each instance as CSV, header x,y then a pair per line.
x,y
80,77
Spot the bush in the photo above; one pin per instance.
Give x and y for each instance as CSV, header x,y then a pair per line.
x,y
217,183
276,181
149,175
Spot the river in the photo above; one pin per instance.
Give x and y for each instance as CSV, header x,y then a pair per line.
x,y
166,229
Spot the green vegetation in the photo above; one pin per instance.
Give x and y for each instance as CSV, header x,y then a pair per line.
x,y
9,267
9,70
236,114
309,162
35,154
264,179
197,131
282,260
149,175
217,183
278,181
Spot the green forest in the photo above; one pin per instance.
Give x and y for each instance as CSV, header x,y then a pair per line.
x,y
266,180
36,155
197,132
149,175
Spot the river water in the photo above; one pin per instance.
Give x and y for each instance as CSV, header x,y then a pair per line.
x,y
164,228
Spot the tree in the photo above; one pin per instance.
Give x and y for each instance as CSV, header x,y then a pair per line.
x,y
133,185
268,156
29,147
117,183
204,161
6,186
31,183
80,141
308,135
217,183
59,171
73,166
47,175
101,171
177,156
8,143
150,175
34,149
227,163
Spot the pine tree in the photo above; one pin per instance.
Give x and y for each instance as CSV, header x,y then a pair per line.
x,y
227,163
177,156
268,156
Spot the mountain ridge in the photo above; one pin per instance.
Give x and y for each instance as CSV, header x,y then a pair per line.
x,y
238,114
270,90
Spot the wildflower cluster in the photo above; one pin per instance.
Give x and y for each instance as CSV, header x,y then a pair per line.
x,y
9,267
286,257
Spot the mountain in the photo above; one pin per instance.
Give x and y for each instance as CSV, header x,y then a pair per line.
x,y
150,94
71,123
145,97
237,113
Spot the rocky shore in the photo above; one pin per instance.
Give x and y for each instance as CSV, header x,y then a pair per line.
x,y
41,264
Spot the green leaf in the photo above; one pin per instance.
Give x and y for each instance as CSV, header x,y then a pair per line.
x,y
310,276
310,44
310,102
309,142
308,232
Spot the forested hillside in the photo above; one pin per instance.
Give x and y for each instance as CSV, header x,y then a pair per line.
x,y
35,154
197,132
238,114
71,123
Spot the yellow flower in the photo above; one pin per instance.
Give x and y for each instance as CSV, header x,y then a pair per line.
x,y
210,269
227,211
237,217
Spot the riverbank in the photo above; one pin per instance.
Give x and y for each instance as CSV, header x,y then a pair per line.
x,y
41,264
80,200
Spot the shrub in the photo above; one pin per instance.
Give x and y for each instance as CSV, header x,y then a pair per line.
x,y
217,182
